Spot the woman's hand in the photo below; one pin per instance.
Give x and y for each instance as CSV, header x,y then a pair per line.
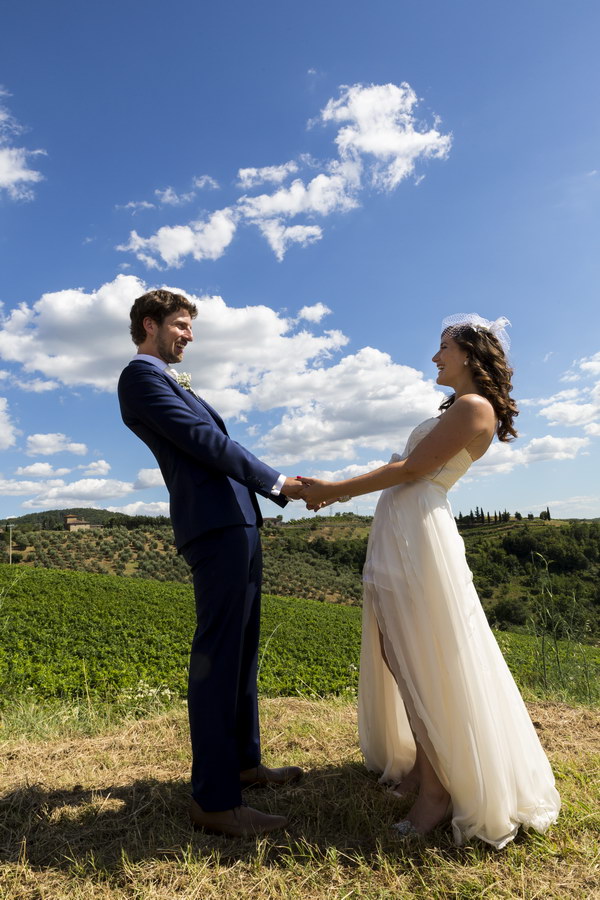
x,y
318,493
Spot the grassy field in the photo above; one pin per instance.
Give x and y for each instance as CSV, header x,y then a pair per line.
x,y
69,634
94,759
104,817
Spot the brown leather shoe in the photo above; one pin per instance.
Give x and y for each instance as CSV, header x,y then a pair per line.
x,y
242,821
262,775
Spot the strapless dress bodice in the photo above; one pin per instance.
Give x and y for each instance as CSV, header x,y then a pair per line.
x,y
448,474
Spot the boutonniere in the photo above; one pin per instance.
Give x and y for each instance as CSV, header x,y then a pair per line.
x,y
184,380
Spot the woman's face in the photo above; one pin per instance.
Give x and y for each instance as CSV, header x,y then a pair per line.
x,y
450,360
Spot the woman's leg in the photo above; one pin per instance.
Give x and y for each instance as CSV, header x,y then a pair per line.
x,y
410,783
431,805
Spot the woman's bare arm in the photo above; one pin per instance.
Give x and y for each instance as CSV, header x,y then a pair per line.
x,y
469,418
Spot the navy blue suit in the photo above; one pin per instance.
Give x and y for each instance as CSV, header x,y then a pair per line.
x,y
212,482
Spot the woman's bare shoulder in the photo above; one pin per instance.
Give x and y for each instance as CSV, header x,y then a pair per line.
x,y
474,404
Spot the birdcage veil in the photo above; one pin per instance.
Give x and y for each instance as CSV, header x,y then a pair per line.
x,y
478,323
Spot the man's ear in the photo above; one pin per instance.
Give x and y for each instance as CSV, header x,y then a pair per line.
x,y
150,326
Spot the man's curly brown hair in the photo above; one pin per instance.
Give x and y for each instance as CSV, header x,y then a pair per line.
x,y
156,305
491,372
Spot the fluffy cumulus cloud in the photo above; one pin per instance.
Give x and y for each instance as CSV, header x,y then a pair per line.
x,y
99,467
363,401
576,407
169,197
84,492
16,175
149,478
251,177
73,337
49,490
502,458
8,432
378,122
205,182
41,470
48,444
280,237
202,240
314,313
379,142
140,508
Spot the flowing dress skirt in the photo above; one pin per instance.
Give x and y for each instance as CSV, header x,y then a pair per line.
x,y
449,675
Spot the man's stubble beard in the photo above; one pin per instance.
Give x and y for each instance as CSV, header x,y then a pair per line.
x,y
166,353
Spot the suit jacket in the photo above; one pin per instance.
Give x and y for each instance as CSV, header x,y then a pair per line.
x,y
211,479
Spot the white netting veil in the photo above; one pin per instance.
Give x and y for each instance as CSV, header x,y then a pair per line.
x,y
478,323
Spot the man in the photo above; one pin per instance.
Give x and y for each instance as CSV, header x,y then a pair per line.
x,y
212,483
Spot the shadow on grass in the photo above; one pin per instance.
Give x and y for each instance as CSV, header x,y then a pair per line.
x,y
336,809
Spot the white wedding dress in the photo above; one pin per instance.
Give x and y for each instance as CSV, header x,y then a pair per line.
x,y
462,701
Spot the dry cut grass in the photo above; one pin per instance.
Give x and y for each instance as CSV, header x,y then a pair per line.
x,y
105,818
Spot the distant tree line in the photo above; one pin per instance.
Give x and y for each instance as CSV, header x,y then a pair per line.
x,y
479,517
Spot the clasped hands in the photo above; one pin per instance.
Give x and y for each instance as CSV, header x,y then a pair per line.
x,y
315,492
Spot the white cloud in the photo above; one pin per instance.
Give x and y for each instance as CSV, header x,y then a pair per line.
x,y
233,349
169,197
378,130
591,364
381,124
41,470
13,488
314,313
149,478
55,336
363,401
568,394
202,240
569,413
98,467
8,432
586,505
205,181
136,205
47,444
279,236
251,177
139,508
502,457
16,177
576,407
324,194
38,385
85,492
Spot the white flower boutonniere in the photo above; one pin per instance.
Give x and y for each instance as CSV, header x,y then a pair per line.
x,y
184,380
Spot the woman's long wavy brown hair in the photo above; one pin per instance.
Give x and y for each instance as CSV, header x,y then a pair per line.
x,y
491,373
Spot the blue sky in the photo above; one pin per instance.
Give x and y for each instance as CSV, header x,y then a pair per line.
x,y
328,181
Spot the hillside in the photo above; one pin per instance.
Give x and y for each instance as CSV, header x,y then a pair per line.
x,y
68,634
321,558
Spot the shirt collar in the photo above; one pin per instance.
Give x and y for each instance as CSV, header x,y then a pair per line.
x,y
159,363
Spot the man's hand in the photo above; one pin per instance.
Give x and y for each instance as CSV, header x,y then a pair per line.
x,y
318,493
292,488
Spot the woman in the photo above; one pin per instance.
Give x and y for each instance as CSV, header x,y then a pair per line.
x,y
439,712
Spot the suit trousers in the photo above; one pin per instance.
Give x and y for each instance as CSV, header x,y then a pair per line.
x,y
222,693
